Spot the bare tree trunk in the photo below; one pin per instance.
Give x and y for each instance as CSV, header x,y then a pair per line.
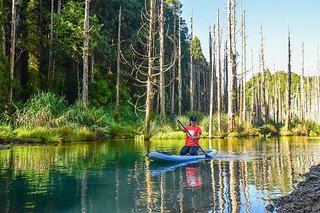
x,y
173,85
302,99
179,70
263,86
191,71
218,72
318,84
231,65
162,77
288,107
12,46
212,81
92,68
118,67
252,114
50,63
149,98
85,55
244,66
226,79
198,86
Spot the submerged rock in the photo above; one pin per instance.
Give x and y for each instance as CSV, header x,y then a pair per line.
x,y
306,198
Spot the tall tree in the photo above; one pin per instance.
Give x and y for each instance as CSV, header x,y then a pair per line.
x,y
213,39
219,92
243,67
33,46
86,26
231,64
50,63
149,93
191,70
302,99
179,67
12,46
162,94
118,67
263,86
288,105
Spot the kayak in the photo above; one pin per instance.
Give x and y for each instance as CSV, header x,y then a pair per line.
x,y
162,156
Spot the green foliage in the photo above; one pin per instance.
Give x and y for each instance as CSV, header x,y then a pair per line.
x,y
169,135
42,109
37,134
101,92
5,131
284,132
313,134
33,45
268,129
300,130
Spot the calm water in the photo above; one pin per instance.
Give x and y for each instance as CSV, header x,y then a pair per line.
x,y
115,176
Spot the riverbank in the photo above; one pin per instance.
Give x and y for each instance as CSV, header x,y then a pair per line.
x,y
306,198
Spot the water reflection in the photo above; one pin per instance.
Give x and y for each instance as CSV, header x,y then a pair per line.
x,y
116,177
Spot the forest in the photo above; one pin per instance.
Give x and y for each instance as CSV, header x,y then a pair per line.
x,y
91,70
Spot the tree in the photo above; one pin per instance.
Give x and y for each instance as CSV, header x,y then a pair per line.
x,y
231,64
288,107
12,46
118,67
219,99
162,93
85,54
191,70
50,63
33,46
213,67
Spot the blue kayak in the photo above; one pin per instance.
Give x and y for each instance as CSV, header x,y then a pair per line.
x,y
159,156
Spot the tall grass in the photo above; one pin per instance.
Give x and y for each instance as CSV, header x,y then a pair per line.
x,y
43,109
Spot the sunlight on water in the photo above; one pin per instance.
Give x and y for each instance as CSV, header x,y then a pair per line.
x,y
115,176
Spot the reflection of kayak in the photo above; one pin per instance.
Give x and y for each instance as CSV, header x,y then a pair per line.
x,y
159,156
158,167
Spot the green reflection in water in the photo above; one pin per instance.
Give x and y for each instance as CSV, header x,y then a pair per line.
x,y
115,176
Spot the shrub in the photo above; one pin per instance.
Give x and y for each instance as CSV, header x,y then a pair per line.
x,y
42,109
313,134
5,131
284,132
268,129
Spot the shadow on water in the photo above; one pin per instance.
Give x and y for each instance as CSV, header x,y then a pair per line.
x,y
116,176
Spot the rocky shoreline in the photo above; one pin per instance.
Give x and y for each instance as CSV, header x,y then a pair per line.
x,y
306,198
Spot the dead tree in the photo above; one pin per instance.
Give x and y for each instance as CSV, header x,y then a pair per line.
x,y
288,107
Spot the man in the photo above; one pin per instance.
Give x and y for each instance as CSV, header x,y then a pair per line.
x,y
192,137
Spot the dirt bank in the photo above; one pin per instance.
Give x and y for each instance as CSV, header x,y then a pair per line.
x,y
306,198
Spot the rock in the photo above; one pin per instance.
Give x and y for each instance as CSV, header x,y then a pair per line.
x,y
4,146
306,196
312,177
270,208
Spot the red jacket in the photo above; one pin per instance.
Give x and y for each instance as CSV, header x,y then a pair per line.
x,y
195,132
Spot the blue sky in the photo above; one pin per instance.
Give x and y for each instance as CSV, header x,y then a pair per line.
x,y
302,16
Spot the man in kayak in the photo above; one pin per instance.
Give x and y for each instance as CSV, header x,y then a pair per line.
x,y
192,137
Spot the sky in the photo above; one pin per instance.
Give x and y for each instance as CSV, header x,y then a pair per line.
x,y
302,17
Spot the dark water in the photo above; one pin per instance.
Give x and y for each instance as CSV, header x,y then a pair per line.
x,y
115,176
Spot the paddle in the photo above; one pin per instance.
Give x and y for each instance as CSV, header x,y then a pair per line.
x,y
207,156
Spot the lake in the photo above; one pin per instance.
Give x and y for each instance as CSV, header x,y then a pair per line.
x,y
115,176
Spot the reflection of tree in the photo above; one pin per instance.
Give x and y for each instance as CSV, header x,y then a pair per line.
x,y
121,169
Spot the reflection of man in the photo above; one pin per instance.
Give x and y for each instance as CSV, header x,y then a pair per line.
x,y
193,177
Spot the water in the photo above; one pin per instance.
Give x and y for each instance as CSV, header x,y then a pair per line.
x,y
115,176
